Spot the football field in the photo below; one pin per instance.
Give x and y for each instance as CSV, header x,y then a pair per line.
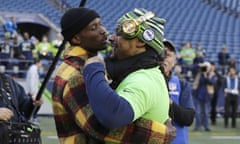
x,y
217,135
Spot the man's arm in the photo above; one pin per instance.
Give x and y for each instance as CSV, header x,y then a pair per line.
x,y
141,131
25,103
111,110
184,113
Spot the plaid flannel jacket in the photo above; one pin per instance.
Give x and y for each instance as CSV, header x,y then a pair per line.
x,y
74,118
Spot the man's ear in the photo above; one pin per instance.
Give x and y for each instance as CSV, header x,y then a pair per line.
x,y
76,39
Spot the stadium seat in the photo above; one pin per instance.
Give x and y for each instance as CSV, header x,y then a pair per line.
x,y
211,24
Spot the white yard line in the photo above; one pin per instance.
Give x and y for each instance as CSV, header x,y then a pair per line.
x,y
225,137
52,137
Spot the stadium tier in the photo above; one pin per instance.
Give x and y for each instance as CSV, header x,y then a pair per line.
x,y
198,21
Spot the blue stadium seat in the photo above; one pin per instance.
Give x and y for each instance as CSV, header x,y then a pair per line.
x,y
30,6
187,20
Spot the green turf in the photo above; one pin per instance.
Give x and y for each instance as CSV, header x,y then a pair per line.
x,y
49,135
218,134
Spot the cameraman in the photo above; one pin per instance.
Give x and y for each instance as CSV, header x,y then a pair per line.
x,y
203,92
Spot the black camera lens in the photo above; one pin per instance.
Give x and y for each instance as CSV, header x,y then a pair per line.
x,y
203,69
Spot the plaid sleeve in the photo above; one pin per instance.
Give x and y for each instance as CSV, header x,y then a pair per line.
x,y
141,131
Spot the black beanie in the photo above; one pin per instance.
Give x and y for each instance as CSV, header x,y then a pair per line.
x,y
76,19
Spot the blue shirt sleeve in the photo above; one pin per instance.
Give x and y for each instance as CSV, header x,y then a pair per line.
x,y
111,110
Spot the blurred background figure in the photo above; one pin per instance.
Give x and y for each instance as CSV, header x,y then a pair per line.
x,y
26,48
231,93
181,103
232,63
223,58
6,51
56,43
187,54
217,87
32,84
10,26
200,54
203,92
44,49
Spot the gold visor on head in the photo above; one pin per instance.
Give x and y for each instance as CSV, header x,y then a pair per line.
x,y
130,27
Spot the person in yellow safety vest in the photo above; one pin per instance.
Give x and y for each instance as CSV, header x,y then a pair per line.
x,y
44,49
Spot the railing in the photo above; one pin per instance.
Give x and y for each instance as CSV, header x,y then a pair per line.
x,y
19,67
61,5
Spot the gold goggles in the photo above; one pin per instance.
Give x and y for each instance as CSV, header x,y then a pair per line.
x,y
131,27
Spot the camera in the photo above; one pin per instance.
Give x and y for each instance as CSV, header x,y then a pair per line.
x,y
204,67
